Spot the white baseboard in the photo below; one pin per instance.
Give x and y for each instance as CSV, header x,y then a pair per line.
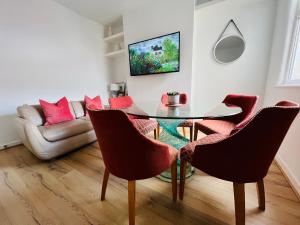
x,y
10,144
294,182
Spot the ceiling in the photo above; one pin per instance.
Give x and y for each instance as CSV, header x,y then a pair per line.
x,y
107,11
104,11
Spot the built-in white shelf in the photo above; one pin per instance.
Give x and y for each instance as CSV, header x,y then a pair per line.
x,y
114,38
115,53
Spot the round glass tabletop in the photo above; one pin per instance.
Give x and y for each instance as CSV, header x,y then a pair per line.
x,y
162,111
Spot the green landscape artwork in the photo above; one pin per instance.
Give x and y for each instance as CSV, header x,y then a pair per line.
x,y
154,56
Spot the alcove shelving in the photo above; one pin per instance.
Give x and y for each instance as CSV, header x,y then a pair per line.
x,y
114,39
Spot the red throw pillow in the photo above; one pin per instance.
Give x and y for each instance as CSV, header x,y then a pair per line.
x,y
56,112
93,103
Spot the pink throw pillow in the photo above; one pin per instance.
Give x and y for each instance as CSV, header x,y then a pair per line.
x,y
92,103
56,112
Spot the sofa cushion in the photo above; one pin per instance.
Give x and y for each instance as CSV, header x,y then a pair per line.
x,y
57,112
93,103
87,118
78,108
65,130
33,113
72,110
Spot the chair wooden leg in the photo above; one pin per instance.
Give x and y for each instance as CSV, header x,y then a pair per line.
x,y
182,178
183,131
131,201
191,133
104,184
195,134
158,131
261,194
174,180
155,134
239,201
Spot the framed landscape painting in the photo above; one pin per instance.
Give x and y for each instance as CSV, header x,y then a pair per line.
x,y
155,56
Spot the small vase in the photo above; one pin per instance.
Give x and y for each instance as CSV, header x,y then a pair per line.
x,y
121,45
109,32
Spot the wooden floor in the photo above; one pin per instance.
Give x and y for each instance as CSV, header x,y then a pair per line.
x,y
67,191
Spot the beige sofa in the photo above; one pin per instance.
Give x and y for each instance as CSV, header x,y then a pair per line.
x,y
47,142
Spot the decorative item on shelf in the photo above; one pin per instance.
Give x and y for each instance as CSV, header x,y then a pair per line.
x,y
114,89
121,45
230,46
173,98
117,89
109,31
122,89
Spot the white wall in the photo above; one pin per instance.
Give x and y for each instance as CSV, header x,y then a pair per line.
x,y
212,81
154,20
47,51
118,68
289,154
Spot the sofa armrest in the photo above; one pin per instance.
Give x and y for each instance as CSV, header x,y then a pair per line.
x,y
31,137
45,150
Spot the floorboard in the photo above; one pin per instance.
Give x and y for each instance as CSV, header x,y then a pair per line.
x,y
67,191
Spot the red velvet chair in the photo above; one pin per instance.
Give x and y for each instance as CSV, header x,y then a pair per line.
x,y
145,126
130,155
243,157
183,99
226,125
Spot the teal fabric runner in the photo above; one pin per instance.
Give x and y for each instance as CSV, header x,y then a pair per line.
x,y
171,136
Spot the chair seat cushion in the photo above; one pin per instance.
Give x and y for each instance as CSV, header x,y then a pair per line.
x,y
65,130
145,126
186,153
187,123
215,126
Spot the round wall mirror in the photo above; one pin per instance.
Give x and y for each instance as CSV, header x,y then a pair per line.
x,y
229,48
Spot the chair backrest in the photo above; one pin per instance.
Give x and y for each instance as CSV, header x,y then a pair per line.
x,y
247,155
246,102
126,152
120,102
182,98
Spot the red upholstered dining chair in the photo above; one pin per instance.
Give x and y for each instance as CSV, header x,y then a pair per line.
x,y
131,156
183,99
145,126
227,124
245,156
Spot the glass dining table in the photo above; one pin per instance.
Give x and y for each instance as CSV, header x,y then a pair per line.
x,y
170,116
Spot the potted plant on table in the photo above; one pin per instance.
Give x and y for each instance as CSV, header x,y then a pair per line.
x,y
173,98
